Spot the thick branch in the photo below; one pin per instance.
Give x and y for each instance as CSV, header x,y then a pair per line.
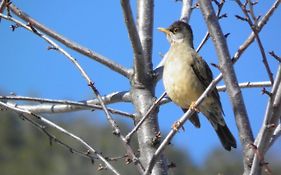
x,y
83,50
186,10
135,41
229,76
145,26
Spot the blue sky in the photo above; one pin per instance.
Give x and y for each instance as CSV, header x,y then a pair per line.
x,y
28,68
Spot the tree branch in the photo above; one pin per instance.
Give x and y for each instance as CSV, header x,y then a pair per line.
x,y
58,106
155,104
135,41
186,10
3,5
90,150
278,58
229,76
68,43
270,123
248,85
145,19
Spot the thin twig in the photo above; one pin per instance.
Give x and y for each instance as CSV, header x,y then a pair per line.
x,y
278,58
251,11
254,29
57,127
68,43
248,85
155,104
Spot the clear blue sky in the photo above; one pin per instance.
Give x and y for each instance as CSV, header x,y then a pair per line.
x,y
27,67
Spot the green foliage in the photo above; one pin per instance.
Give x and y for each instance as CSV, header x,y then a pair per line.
x,y
26,150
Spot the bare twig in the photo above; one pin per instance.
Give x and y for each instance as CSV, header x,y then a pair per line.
x,y
278,58
26,113
58,106
253,26
271,121
186,10
135,40
248,85
112,123
155,104
83,50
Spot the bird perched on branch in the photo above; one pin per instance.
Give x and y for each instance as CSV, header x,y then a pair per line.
x,y
186,76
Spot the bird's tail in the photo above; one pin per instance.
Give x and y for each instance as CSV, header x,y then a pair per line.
x,y
226,137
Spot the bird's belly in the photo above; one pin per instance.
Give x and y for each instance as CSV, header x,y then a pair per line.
x,y
181,84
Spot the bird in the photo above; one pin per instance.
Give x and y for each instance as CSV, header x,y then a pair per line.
x,y
186,75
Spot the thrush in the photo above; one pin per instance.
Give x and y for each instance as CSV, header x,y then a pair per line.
x,y
186,76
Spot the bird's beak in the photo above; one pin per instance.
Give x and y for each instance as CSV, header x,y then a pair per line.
x,y
166,31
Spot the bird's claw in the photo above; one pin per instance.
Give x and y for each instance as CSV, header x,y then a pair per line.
x,y
176,126
193,107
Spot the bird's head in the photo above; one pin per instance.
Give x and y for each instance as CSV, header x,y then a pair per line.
x,y
178,32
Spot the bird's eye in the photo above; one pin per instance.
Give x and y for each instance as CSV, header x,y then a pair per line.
x,y
175,30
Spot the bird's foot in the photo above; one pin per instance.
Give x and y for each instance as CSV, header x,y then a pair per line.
x,y
176,126
193,107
